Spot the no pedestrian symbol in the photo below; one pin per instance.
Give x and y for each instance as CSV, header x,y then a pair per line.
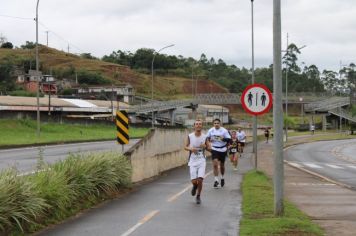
x,y
256,99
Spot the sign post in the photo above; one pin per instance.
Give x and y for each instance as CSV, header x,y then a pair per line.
x,y
256,100
122,127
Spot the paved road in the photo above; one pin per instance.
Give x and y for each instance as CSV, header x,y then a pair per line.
x,y
25,159
165,207
332,159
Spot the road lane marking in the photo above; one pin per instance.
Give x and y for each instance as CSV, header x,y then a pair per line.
x,y
295,164
311,184
141,222
334,166
175,196
311,165
353,167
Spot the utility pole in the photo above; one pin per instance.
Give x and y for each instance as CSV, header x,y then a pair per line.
x,y
37,76
47,37
277,111
68,48
254,149
287,68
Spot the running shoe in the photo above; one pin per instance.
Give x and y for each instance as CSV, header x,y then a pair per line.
x,y
197,200
216,184
222,181
194,190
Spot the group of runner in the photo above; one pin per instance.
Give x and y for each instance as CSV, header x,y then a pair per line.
x,y
220,142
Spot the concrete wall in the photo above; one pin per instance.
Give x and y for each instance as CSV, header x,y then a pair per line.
x,y
160,150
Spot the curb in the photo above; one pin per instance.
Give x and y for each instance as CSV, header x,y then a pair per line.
x,y
314,173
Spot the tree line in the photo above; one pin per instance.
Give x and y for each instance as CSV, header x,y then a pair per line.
x,y
301,78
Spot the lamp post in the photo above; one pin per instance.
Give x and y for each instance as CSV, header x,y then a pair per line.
x,y
254,127
287,68
37,75
153,59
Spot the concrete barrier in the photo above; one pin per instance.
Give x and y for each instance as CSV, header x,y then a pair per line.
x,y
160,150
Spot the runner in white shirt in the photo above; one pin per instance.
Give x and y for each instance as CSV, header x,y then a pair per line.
x,y
196,144
241,138
219,138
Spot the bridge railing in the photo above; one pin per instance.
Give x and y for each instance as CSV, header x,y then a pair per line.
x,y
327,104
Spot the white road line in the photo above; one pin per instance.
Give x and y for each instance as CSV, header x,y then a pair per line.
x,y
353,167
141,222
334,166
311,165
175,196
311,184
295,164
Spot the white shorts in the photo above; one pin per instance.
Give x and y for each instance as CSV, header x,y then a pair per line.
x,y
197,170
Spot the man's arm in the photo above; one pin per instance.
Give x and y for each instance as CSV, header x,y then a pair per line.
x,y
187,148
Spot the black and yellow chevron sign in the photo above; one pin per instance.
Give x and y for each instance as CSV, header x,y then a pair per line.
x,y
122,127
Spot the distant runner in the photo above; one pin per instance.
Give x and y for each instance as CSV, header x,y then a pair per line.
x,y
234,156
241,137
196,144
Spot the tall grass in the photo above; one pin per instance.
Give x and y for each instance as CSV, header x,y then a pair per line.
x,y
59,190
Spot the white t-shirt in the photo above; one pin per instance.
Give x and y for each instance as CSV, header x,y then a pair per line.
x,y
216,138
195,142
241,136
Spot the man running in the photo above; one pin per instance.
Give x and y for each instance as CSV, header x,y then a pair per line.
x,y
196,144
219,138
241,138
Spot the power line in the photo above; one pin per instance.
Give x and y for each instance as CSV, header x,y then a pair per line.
x,y
17,17
54,33
60,37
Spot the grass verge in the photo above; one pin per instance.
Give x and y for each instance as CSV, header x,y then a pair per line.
x,y
58,191
23,132
258,214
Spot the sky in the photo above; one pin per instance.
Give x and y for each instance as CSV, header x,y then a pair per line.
x,y
218,28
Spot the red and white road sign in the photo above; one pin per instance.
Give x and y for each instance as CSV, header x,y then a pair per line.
x,y
256,99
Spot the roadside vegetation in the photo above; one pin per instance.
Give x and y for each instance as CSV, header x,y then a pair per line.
x,y
258,215
23,132
59,191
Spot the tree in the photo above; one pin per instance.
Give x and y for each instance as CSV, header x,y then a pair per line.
x,y
28,45
290,58
6,82
87,56
7,45
330,80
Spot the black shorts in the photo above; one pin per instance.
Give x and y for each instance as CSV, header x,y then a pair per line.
x,y
221,156
242,144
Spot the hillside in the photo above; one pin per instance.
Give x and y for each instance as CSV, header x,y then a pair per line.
x,y
65,65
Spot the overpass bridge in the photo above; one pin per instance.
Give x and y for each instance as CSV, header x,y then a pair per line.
x,y
313,103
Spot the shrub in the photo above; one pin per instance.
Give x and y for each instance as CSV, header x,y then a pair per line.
x,y
20,204
59,190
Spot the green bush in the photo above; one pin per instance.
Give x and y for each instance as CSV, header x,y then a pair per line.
x,y
59,190
20,204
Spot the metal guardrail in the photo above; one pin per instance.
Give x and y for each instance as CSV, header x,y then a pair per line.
x,y
343,114
326,105
160,106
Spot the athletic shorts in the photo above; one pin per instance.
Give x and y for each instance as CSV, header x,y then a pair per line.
x,y
242,144
197,171
218,155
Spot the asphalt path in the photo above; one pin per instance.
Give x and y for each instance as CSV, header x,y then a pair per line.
x,y
164,207
25,159
335,160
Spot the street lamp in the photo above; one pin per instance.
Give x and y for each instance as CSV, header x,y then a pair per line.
x,y
253,81
287,68
37,75
153,59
